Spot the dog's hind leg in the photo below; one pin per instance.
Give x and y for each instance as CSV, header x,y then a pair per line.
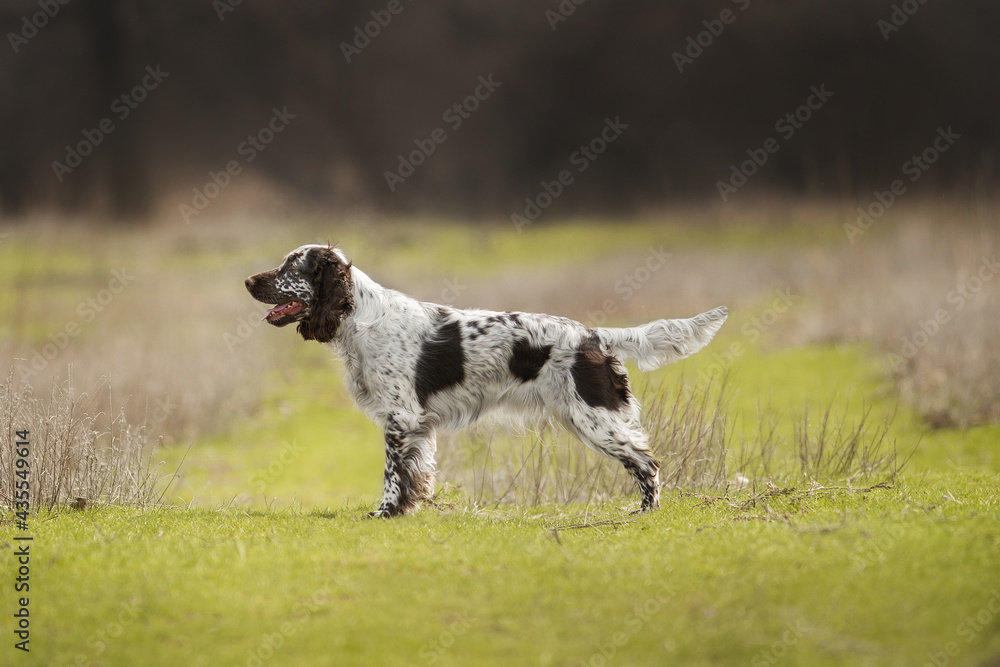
x,y
620,436
409,466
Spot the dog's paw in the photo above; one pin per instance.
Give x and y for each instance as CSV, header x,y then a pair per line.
x,y
389,511
386,512
645,509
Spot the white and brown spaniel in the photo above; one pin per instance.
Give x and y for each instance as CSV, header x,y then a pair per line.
x,y
416,368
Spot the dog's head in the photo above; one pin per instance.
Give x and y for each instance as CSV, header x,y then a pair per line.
x,y
312,287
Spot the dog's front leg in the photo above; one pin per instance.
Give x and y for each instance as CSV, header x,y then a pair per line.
x,y
409,466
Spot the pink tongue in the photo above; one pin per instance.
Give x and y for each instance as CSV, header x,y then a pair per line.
x,y
283,309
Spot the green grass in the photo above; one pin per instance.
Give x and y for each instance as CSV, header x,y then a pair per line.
x,y
306,443
883,577
886,576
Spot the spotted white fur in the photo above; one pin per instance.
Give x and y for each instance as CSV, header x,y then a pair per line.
x,y
418,368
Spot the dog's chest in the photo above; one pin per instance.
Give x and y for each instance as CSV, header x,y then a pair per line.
x,y
378,376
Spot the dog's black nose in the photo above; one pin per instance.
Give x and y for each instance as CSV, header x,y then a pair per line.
x,y
249,282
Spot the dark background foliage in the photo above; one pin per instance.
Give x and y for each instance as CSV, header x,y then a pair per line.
x,y
229,69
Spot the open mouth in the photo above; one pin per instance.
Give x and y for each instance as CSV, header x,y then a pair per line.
x,y
283,311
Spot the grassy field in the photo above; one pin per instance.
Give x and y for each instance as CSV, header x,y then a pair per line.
x,y
259,555
884,577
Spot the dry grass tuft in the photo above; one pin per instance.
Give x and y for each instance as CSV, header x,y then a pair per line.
x,y
691,432
924,290
80,454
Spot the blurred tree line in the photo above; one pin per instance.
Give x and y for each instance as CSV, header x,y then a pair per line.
x,y
696,88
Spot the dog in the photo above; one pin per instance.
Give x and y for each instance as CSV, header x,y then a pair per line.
x,y
417,368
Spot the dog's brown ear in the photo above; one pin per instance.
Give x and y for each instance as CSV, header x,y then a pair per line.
x,y
332,300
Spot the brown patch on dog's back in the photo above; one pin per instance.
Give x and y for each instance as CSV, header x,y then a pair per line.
x,y
598,381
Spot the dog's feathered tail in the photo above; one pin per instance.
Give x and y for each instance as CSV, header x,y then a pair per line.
x,y
663,341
